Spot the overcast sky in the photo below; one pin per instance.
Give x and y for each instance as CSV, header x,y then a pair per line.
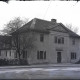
x,y
66,12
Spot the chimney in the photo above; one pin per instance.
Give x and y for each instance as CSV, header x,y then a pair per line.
x,y
53,20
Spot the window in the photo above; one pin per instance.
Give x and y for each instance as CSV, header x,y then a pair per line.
x,y
62,40
73,55
73,41
41,37
59,40
41,54
45,55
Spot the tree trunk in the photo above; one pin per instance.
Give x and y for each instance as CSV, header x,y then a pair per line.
x,y
18,47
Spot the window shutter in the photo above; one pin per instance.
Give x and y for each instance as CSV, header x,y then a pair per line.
x,y
62,40
75,55
45,55
59,40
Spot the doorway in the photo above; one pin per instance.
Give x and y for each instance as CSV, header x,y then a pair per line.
x,y
58,57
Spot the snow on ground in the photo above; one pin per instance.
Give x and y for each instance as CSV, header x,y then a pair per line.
x,y
41,73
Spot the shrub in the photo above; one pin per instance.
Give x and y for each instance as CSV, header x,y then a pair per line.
x,y
5,62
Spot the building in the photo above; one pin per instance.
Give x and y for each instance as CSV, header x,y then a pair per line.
x,y
54,42
6,51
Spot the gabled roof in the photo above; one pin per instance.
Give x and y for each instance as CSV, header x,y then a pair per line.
x,y
70,32
40,25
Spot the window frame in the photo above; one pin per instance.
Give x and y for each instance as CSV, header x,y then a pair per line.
x,y
41,55
41,37
73,55
59,40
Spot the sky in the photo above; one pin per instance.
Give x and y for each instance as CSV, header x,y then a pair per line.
x,y
66,12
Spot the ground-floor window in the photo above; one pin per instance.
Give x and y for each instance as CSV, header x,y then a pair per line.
x,y
73,55
7,52
41,54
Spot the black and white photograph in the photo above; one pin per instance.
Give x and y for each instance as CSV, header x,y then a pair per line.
x,y
40,39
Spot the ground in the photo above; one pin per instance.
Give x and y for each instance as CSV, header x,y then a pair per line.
x,y
40,72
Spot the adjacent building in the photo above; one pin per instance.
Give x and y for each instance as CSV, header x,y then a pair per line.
x,y
6,51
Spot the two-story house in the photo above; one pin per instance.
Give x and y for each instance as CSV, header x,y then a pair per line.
x,y
54,42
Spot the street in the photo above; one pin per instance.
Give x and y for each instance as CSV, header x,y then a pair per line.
x,y
40,73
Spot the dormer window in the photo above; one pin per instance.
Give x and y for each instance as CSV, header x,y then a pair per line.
x,y
41,37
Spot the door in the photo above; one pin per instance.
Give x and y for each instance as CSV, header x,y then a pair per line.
x,y
58,57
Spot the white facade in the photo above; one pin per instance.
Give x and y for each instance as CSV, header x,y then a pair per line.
x,y
68,52
53,48
7,54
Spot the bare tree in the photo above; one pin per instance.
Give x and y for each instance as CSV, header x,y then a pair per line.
x,y
24,41
14,24
21,41
74,29
27,41
5,1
